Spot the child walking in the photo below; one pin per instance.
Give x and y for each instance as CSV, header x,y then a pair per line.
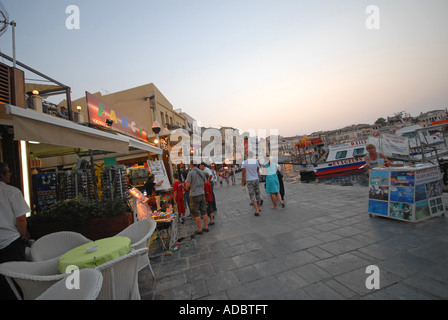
x,y
178,195
209,200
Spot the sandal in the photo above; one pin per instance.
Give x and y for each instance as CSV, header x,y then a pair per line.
x,y
198,232
205,230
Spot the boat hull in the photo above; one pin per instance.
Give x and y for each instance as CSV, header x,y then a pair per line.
x,y
306,168
341,166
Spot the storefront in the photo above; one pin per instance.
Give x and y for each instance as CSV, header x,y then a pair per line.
x,y
54,158
56,155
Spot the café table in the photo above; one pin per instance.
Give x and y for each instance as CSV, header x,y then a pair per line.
x,y
93,254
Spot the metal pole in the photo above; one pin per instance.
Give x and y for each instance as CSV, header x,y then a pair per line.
x,y
92,170
13,24
32,70
69,103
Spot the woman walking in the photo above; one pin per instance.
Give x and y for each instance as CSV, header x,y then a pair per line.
x,y
273,185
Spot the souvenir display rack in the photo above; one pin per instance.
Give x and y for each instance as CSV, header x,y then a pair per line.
x,y
45,190
411,193
49,187
75,183
114,182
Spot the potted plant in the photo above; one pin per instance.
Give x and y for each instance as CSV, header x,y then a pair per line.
x,y
111,217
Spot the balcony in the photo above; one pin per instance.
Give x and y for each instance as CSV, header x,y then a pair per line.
x,y
38,104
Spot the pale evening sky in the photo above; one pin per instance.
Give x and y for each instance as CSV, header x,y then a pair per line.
x,y
293,65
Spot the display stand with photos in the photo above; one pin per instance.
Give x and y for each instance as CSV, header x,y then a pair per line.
x,y
411,193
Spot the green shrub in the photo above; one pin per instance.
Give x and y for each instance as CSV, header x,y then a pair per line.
x,y
78,211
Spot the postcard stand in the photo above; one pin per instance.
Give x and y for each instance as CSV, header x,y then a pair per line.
x,y
411,193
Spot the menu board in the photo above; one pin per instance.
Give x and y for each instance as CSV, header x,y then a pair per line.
x,y
157,168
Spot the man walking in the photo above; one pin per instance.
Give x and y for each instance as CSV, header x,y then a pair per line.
x,y
250,176
198,206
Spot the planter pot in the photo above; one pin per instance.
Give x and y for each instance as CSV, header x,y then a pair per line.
x,y
106,227
94,229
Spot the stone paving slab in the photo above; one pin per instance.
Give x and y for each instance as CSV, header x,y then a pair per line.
x,y
318,247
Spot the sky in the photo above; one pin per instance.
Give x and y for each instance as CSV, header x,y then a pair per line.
x,y
296,66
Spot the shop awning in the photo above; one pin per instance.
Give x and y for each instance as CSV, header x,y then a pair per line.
x,y
30,125
144,146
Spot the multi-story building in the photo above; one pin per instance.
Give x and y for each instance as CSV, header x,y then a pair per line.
x,y
145,103
348,133
189,120
427,118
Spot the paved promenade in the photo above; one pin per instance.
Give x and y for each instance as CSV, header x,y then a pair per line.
x,y
318,247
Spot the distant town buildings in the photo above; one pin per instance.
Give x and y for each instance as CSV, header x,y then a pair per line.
x,y
363,131
428,118
149,103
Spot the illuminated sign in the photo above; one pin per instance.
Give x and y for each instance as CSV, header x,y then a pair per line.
x,y
102,114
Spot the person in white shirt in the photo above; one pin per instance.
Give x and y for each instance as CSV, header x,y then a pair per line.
x,y
250,177
13,230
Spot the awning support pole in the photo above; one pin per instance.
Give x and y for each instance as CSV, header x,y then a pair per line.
x,y
92,170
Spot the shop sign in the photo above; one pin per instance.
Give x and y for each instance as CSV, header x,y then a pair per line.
x,y
102,114
428,175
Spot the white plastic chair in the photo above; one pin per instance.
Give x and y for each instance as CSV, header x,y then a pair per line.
x,y
90,282
120,277
56,244
33,278
140,233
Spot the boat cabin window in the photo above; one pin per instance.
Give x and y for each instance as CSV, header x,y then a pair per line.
x,y
341,154
409,135
359,152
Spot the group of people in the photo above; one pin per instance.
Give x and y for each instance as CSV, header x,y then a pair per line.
x,y
224,174
195,191
274,182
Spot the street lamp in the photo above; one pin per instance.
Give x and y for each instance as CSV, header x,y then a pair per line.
x,y
156,129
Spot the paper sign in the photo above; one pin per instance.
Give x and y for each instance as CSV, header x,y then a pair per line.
x,y
158,170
